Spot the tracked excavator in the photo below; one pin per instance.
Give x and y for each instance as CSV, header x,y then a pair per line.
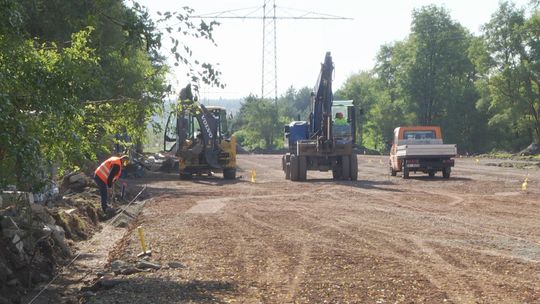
x,y
201,139
325,141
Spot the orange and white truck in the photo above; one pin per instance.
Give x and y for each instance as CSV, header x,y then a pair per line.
x,y
421,149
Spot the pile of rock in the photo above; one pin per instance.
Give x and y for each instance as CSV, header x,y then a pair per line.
x,y
75,182
532,149
31,244
33,237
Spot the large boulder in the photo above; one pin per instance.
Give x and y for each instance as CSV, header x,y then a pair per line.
x,y
532,149
75,181
59,236
40,213
49,193
9,227
12,196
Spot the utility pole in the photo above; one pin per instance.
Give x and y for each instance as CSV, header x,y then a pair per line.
x,y
269,41
269,52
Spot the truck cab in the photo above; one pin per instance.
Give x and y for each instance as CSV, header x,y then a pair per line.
x,y
420,149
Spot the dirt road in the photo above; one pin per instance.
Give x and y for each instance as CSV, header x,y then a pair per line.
x,y
472,239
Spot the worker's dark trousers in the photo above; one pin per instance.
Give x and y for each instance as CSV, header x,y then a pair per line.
x,y
102,191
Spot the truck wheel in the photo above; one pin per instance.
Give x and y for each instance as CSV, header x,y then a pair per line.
x,y
302,168
405,173
392,171
287,171
294,168
354,167
285,160
229,173
345,167
446,172
431,173
336,173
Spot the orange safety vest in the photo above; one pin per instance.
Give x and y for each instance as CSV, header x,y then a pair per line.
x,y
104,169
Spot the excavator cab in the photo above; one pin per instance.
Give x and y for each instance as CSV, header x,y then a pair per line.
x,y
344,121
219,114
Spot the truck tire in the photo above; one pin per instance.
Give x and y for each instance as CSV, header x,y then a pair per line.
x,y
354,167
288,171
229,173
405,172
283,163
302,168
446,172
392,171
345,167
431,173
336,173
294,168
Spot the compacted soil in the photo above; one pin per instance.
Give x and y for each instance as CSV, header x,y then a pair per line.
x,y
474,238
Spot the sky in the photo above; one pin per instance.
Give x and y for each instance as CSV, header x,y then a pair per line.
x,y
302,44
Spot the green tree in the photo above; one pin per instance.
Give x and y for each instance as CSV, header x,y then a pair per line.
x,y
39,106
429,79
295,103
73,74
382,110
440,66
261,126
510,62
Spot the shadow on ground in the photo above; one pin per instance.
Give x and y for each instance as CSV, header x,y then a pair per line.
x,y
138,290
426,178
362,184
159,183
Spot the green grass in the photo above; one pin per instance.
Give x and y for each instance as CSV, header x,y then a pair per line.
x,y
507,155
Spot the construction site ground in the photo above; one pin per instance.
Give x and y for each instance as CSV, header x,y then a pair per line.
x,y
474,238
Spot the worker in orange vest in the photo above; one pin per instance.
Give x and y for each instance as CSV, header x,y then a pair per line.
x,y
106,174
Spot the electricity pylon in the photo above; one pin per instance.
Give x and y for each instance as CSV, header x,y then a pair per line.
x,y
269,37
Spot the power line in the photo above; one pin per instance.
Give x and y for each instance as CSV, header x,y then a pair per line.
x,y
269,42
277,17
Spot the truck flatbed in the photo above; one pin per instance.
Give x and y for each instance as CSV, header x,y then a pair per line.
x,y
426,151
421,149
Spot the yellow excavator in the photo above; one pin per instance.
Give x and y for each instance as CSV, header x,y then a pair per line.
x,y
203,144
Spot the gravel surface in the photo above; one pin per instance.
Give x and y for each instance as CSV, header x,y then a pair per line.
x,y
474,238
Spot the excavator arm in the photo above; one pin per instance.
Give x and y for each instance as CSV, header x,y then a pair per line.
x,y
322,98
208,126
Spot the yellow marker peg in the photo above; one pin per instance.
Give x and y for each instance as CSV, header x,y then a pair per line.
x,y
525,183
253,175
143,243
477,160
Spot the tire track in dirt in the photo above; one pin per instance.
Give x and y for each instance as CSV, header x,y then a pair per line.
x,y
376,240
455,201
294,235
298,273
459,200
434,257
274,271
